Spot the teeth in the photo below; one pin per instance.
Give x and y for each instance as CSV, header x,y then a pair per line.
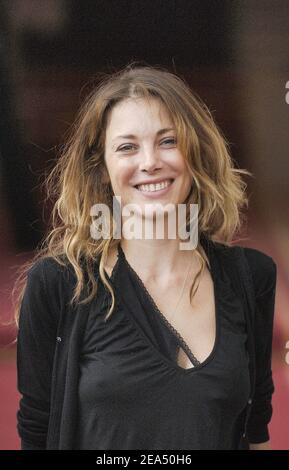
x,y
154,187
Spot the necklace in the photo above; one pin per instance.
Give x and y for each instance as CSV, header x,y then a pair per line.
x,y
121,253
182,292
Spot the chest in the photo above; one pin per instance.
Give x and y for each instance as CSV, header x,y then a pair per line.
x,y
194,321
124,363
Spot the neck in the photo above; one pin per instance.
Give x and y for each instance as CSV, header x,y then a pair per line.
x,y
159,260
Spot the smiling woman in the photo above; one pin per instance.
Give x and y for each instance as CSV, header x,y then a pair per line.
x,y
137,343
149,164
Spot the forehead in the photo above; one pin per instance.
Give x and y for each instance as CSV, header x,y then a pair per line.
x,y
133,116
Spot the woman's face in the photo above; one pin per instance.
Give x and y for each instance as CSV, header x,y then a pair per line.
x,y
140,151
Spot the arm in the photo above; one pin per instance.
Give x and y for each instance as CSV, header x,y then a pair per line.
x,y
261,412
35,351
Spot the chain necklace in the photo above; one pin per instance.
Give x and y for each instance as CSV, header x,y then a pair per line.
x,y
182,292
120,251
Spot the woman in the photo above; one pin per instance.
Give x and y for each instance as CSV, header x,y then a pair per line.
x,y
132,342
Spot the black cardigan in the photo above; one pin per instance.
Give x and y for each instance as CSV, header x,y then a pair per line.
x,y
49,341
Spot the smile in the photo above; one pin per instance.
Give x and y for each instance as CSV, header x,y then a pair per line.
x,y
154,188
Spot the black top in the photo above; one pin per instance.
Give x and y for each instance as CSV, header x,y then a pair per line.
x,y
132,392
136,389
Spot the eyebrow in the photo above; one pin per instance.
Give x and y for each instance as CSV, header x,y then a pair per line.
x,y
132,136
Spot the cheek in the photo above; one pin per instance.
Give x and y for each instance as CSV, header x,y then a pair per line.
x,y
117,170
125,174
184,174
180,164
121,180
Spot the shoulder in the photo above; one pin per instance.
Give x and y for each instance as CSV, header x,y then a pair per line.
x,y
56,277
262,266
49,286
263,269
49,271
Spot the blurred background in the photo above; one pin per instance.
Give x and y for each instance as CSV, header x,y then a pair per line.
x,y
233,54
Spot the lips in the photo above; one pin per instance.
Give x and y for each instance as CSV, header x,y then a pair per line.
x,y
154,182
155,194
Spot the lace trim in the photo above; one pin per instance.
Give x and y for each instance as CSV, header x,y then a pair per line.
x,y
193,359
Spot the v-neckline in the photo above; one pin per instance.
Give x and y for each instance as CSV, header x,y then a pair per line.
x,y
182,343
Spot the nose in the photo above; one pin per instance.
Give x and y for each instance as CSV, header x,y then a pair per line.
x,y
150,161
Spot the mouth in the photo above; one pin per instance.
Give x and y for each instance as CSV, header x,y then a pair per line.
x,y
154,190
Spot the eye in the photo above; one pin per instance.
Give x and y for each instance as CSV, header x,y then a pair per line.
x,y
171,140
125,148
128,147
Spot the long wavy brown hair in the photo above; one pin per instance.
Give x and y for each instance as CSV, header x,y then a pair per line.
x,y
77,180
